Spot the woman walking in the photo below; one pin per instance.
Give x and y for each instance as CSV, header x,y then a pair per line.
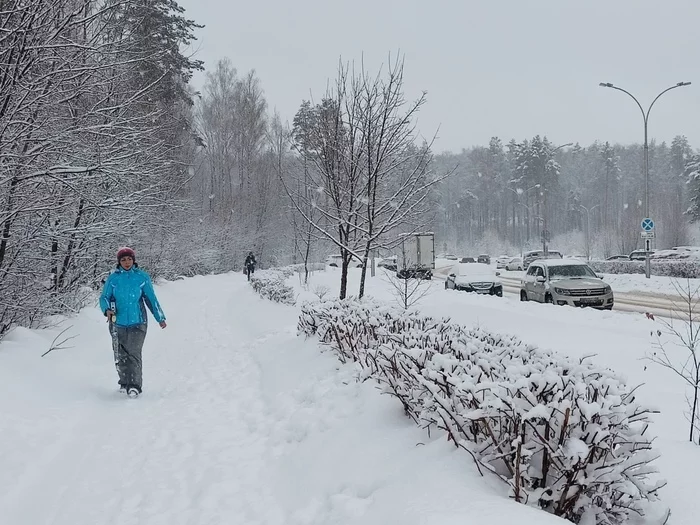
x,y
127,292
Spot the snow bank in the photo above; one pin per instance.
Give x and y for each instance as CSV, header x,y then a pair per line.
x,y
657,285
271,285
567,436
681,269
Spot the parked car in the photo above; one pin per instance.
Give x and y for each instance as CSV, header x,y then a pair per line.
x,y
618,258
336,260
688,252
390,263
570,283
479,278
502,261
467,260
450,257
415,273
515,264
638,255
484,259
535,255
671,254
689,249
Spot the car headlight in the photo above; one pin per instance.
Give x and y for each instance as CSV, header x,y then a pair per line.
x,y
608,289
562,291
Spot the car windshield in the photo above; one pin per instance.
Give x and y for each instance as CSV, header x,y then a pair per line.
x,y
474,270
570,271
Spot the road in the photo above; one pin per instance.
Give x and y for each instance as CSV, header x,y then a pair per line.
x,y
667,306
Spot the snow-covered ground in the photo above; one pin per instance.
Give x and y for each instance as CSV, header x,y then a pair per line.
x,y
619,340
241,422
656,285
637,283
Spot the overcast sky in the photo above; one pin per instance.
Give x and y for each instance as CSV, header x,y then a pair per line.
x,y
509,68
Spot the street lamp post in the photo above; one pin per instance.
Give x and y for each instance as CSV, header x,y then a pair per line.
x,y
645,116
517,233
529,212
518,193
588,228
545,233
530,215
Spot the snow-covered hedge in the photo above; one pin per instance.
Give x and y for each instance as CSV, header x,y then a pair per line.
x,y
681,269
566,435
270,284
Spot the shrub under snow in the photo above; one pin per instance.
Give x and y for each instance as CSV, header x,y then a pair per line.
x,y
566,435
682,269
270,284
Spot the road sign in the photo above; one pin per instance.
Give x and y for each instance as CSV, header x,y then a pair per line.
x,y
647,225
647,245
649,235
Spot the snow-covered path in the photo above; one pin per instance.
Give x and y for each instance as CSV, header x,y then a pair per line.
x,y
241,422
190,450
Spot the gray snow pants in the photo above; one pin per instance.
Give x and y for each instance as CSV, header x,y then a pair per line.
x,y
128,354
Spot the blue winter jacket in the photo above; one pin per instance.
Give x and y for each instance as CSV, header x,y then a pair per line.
x,y
130,290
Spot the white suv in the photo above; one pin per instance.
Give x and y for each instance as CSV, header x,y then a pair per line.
x,y
562,282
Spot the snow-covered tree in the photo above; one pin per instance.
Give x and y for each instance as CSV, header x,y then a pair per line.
x,y
370,170
92,133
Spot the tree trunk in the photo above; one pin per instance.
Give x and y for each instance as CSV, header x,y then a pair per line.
x,y
67,260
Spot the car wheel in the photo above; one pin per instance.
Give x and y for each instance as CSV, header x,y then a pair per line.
x,y
446,285
548,299
523,296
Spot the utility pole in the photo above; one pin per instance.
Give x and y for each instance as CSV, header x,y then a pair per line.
x,y
645,116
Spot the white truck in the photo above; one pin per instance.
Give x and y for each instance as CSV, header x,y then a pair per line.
x,y
416,258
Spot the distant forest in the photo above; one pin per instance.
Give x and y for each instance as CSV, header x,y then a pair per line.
x,y
500,196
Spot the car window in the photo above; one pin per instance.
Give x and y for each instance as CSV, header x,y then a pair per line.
x,y
539,272
578,270
531,270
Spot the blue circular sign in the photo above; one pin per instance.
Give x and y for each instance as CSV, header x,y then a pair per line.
x,y
647,225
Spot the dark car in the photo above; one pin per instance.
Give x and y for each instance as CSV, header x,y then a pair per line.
x,y
618,258
467,260
484,259
415,273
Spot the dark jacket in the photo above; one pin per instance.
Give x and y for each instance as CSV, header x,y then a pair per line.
x,y
250,261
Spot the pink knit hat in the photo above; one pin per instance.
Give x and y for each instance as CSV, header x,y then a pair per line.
x,y
125,252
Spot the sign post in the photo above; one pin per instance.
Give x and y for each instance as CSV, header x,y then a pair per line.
x,y
648,234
